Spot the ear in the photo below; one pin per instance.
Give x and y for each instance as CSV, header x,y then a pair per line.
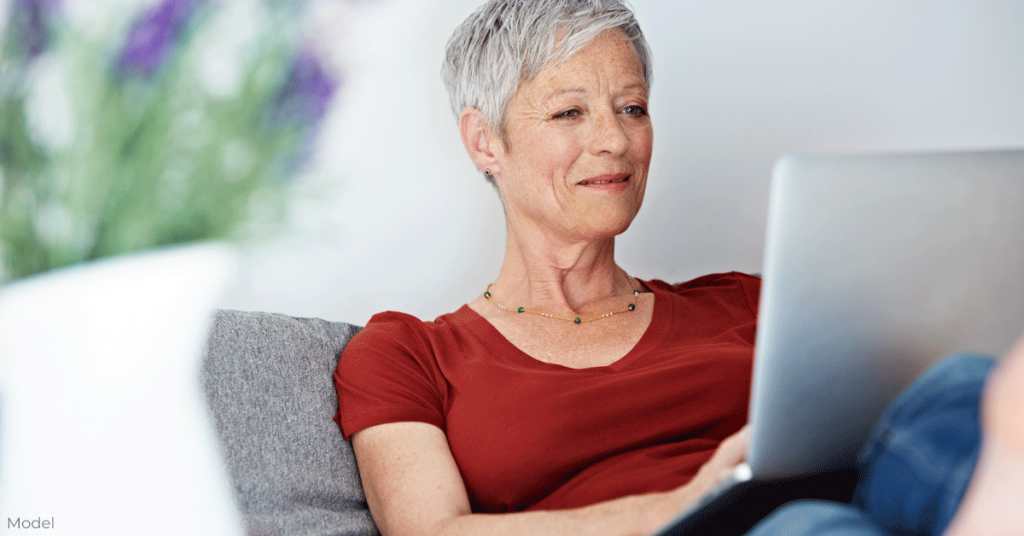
x,y
483,146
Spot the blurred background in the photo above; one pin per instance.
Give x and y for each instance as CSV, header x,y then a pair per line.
x,y
329,120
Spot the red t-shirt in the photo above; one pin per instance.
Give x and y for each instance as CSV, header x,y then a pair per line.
x,y
530,435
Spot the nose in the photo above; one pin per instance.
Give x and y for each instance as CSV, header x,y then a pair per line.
x,y
609,134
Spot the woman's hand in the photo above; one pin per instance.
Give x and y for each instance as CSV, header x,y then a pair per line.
x,y
660,508
730,453
414,487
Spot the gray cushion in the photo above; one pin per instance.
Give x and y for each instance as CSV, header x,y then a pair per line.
x,y
267,379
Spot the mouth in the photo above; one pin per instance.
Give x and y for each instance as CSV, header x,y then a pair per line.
x,y
604,179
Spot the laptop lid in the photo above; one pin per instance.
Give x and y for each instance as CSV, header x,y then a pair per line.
x,y
875,267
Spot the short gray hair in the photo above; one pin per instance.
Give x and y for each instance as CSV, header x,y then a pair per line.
x,y
507,42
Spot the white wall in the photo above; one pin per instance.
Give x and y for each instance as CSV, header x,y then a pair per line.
x,y
396,217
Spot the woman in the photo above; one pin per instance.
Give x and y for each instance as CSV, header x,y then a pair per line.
x,y
552,105
568,397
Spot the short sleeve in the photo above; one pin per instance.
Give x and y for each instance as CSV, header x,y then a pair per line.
x,y
389,373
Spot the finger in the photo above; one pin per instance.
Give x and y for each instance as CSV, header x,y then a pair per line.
x,y
733,449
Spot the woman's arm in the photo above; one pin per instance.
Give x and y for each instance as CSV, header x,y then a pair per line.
x,y
414,488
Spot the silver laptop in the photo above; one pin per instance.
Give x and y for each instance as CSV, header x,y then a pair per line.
x,y
875,267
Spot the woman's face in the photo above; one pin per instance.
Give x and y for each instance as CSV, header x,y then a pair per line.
x,y
578,144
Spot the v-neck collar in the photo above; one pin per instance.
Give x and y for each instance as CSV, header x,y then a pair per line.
x,y
657,329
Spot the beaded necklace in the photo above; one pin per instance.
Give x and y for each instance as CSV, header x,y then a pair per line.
x,y
576,320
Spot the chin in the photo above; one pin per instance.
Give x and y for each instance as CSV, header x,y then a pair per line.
x,y
605,228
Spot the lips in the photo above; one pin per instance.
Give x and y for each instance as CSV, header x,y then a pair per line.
x,y
605,179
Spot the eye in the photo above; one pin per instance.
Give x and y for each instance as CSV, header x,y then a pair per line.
x,y
635,110
567,114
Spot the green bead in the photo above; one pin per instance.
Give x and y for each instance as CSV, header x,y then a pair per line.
x,y
632,306
521,309
487,294
577,320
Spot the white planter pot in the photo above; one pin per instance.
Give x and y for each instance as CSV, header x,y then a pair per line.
x,y
103,426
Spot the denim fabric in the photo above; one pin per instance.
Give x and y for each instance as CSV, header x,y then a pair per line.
x,y
915,467
817,518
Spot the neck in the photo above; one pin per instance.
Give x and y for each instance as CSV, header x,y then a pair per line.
x,y
559,276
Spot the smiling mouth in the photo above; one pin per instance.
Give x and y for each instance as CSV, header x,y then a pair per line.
x,y
623,179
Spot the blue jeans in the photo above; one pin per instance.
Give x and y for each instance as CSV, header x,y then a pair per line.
x,y
914,468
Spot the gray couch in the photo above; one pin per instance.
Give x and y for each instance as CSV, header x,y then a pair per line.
x,y
267,379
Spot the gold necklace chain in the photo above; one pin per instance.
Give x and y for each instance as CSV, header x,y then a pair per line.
x,y
576,320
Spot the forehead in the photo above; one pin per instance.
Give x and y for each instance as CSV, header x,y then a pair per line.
x,y
608,60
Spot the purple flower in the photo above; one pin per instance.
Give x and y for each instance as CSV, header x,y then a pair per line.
x,y
307,93
29,25
299,106
155,33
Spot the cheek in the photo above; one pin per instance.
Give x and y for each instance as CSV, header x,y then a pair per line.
x,y
542,154
549,158
642,147
556,149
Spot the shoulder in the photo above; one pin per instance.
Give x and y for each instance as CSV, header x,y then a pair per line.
x,y
737,287
387,329
726,280
391,337
392,327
